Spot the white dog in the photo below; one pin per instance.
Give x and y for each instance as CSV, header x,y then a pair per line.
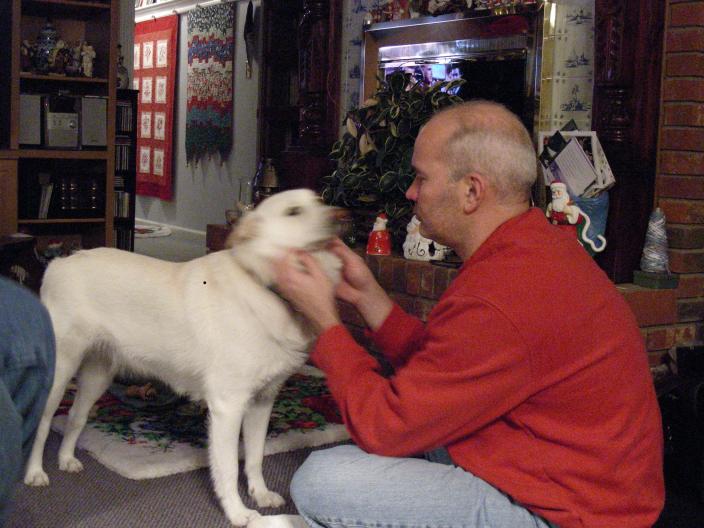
x,y
211,328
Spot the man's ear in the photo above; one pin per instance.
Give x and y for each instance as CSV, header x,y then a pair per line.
x,y
474,189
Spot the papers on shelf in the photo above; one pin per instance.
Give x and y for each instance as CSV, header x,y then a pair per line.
x,y
577,159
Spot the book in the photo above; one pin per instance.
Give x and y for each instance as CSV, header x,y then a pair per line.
x,y
45,197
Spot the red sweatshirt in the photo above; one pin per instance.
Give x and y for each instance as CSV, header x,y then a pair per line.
x,y
531,370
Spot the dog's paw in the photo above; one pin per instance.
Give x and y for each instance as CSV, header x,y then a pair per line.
x,y
243,516
267,499
70,464
36,478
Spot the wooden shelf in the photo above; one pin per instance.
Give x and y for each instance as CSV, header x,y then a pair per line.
x,y
62,78
62,154
70,8
91,21
62,221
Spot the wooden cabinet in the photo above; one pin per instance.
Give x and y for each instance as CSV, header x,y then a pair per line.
x,y
299,115
628,58
125,167
79,173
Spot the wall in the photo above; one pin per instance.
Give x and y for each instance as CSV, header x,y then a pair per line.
x,y
680,171
203,193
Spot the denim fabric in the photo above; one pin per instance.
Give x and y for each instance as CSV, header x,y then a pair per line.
x,y
344,486
27,354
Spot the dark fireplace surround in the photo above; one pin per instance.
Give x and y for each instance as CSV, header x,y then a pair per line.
x,y
628,55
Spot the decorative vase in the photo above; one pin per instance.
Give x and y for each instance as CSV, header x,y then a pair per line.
x,y
266,181
46,42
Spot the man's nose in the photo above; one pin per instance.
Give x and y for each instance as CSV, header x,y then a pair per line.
x,y
412,192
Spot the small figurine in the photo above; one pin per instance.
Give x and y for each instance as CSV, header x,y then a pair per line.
x,y
562,212
417,247
60,57
27,54
123,78
87,56
379,242
655,258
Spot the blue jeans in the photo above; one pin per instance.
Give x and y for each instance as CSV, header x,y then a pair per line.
x,y
344,486
27,354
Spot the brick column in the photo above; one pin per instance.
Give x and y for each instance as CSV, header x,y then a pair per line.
x,y
680,172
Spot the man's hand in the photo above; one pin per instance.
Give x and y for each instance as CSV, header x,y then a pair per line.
x,y
300,279
359,287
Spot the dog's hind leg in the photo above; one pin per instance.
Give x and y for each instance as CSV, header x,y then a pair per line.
x,y
67,363
226,414
254,428
93,379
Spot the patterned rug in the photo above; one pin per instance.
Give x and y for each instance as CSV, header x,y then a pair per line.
x,y
139,439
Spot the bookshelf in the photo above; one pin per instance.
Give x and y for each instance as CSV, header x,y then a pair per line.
x,y
125,182
58,121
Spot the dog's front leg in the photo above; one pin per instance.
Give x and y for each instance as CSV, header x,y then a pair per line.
x,y
256,422
224,432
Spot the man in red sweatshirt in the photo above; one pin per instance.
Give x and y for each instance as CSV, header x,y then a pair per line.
x,y
529,379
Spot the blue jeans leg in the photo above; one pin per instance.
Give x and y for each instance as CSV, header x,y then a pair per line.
x,y
27,355
344,486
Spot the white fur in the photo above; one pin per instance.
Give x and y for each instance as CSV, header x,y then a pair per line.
x,y
210,328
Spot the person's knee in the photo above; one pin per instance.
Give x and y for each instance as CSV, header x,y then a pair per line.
x,y
322,473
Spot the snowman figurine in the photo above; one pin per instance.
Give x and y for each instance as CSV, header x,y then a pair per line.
x,y
417,247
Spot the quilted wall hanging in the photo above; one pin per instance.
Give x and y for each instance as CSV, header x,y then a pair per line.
x,y
155,56
209,82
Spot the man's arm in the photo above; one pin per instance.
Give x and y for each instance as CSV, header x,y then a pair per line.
x,y
470,368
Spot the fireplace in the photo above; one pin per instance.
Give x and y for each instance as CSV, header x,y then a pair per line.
x,y
497,56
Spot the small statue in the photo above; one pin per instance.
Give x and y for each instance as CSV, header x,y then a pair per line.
x,y
562,212
417,247
27,56
73,66
379,242
123,78
655,258
60,57
87,56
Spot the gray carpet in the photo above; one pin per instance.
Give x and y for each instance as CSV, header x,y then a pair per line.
x,y
179,246
99,498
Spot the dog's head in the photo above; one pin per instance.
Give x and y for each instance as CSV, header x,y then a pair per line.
x,y
295,219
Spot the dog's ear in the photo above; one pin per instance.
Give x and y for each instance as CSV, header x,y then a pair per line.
x,y
244,230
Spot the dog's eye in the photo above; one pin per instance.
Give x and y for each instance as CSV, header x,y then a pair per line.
x,y
294,211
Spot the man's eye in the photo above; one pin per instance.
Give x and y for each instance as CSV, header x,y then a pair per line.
x,y
293,211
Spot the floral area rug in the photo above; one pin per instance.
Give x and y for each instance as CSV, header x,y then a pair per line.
x,y
139,440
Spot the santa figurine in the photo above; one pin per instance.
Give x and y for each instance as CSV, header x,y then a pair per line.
x,y
379,242
561,211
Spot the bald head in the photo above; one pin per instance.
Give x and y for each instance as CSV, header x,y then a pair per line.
x,y
486,138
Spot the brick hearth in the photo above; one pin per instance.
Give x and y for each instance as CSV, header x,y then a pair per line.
x,y
667,318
